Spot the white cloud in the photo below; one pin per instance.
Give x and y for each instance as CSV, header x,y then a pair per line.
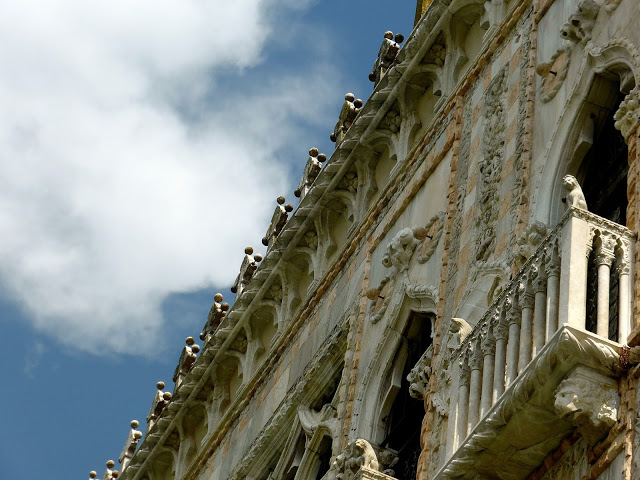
x,y
110,199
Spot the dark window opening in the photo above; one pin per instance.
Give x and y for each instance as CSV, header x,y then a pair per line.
x,y
404,419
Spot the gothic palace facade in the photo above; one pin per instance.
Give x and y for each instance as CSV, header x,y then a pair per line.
x,y
455,296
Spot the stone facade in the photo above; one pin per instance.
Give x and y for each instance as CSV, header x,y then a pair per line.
x,y
456,296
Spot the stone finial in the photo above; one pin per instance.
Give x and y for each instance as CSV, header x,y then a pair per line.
x,y
247,269
386,56
185,364
160,401
92,474
348,114
575,197
130,445
278,221
310,173
108,473
216,314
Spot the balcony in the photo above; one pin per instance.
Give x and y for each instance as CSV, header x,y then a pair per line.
x,y
542,361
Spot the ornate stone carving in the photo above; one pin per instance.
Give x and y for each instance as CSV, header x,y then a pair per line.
x,y
130,446
348,114
553,73
310,173
187,359
575,197
310,240
247,269
434,228
356,455
628,115
160,401
529,242
349,182
589,400
419,375
386,56
216,314
278,221
580,24
401,248
490,167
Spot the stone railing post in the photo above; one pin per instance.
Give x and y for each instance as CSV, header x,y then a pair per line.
x,y
540,315
513,346
488,345
552,269
575,249
604,245
463,398
623,270
475,384
501,333
526,301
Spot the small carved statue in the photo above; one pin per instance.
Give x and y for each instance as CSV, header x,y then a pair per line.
x,y
130,446
575,197
580,24
311,172
247,269
216,314
278,221
110,474
187,359
357,454
348,114
386,56
160,401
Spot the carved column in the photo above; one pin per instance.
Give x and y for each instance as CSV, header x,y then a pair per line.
x,y
501,333
488,345
604,260
623,270
540,315
526,303
475,387
513,320
463,399
552,269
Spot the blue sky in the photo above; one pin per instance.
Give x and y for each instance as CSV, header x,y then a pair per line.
x,y
139,159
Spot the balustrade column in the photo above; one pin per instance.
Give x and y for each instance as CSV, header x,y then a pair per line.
x,y
526,303
463,399
552,269
500,332
475,387
488,345
513,319
624,285
604,260
540,315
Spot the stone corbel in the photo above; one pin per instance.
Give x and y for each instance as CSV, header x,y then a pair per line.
x,y
588,400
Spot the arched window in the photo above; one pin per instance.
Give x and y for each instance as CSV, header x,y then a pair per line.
x,y
402,414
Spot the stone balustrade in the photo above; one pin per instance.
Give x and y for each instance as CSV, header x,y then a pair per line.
x,y
547,295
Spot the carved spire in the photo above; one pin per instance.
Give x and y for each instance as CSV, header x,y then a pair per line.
x,y
187,359
310,173
216,314
348,114
130,445
386,56
247,269
278,221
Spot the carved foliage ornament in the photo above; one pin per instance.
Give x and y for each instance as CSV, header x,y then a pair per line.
x,y
397,257
627,116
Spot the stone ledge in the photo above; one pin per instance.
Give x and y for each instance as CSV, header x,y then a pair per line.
x,y
524,425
